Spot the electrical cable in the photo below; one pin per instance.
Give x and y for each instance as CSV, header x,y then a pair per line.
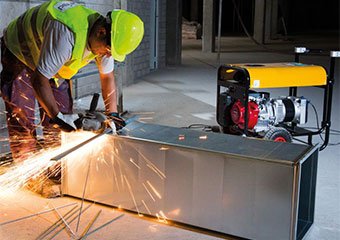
x,y
321,130
317,121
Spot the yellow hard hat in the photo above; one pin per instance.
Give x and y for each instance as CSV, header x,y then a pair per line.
x,y
127,31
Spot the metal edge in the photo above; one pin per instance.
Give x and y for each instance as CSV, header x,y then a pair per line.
x,y
283,162
295,201
296,191
308,153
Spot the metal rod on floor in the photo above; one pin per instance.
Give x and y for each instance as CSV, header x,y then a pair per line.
x,y
66,224
83,197
82,236
36,214
55,234
104,225
57,223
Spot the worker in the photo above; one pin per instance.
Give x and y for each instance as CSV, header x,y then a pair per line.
x,y
43,49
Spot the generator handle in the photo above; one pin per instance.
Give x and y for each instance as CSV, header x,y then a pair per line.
x,y
328,95
303,50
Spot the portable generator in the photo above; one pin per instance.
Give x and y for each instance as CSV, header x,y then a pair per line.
x,y
278,119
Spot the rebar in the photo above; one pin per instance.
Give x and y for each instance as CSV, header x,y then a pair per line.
x,y
36,214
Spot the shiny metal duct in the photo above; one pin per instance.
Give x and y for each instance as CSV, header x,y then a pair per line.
x,y
245,187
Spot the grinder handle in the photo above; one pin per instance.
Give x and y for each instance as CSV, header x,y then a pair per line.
x,y
94,102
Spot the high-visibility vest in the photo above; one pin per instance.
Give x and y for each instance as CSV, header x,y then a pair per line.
x,y
25,34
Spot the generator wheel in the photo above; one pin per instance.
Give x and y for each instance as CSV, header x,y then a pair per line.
x,y
278,134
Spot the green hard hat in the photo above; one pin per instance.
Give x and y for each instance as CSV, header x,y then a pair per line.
x,y
127,31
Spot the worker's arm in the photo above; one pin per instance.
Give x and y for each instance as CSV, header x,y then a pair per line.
x,y
109,91
44,94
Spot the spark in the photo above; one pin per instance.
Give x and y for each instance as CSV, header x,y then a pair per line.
x,y
154,190
131,193
146,207
163,216
147,190
181,137
163,148
114,173
131,160
153,166
155,170
204,137
24,96
29,108
110,93
145,118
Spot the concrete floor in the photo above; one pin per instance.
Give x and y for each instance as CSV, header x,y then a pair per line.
x,y
180,96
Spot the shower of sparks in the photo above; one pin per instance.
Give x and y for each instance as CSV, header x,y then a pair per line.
x,y
105,155
20,173
154,190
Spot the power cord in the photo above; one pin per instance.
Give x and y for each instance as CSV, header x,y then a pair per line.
x,y
320,130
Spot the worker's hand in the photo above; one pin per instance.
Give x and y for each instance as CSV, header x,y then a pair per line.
x,y
118,121
66,122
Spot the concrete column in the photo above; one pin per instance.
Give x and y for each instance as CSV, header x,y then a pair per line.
x,y
259,20
121,72
266,17
173,32
208,38
274,19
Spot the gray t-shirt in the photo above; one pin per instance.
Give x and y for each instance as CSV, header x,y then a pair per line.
x,y
57,47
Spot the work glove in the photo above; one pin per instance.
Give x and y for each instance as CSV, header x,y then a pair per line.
x,y
117,120
66,122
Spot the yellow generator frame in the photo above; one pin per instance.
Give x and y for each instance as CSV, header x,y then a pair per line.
x,y
240,79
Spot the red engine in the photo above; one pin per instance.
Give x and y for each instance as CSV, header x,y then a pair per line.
x,y
237,114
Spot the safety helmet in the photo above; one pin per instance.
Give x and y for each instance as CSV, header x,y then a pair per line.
x,y
127,31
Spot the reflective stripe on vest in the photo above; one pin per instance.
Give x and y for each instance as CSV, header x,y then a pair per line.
x,y
24,35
